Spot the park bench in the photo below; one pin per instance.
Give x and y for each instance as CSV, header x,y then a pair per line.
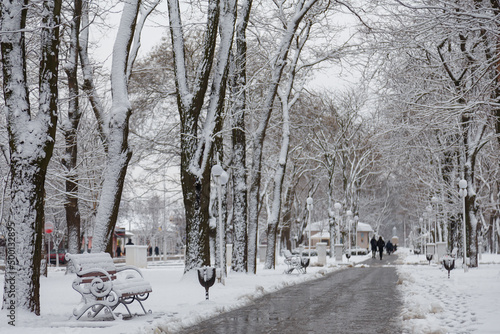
x,y
104,286
295,262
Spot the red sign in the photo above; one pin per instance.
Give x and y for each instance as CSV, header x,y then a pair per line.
x,y
49,227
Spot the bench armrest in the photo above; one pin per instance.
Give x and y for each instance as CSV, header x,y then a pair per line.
x,y
93,282
120,269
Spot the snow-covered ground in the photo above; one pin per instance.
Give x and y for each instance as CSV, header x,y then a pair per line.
x,y
465,303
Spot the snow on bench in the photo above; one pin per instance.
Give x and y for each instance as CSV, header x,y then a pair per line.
x,y
104,286
295,262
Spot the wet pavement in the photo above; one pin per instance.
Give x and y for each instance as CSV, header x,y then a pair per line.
x,y
352,300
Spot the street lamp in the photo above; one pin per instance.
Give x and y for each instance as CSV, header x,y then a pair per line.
x,y
220,178
338,209
349,219
49,228
422,227
435,200
356,218
429,212
463,193
309,202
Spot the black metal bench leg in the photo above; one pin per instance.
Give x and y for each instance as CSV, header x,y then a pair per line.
x,y
124,304
142,306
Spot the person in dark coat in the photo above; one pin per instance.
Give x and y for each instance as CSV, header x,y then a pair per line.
x,y
380,245
389,247
118,251
373,242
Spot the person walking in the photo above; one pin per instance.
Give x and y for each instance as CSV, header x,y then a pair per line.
x,y
380,245
389,247
373,242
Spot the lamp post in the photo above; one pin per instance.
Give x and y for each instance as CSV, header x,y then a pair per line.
x,y
356,219
349,219
220,178
429,215
338,248
422,226
463,193
49,228
435,200
338,209
309,202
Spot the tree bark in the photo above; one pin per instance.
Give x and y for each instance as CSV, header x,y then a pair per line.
x,y
239,171
31,142
196,142
119,154
71,137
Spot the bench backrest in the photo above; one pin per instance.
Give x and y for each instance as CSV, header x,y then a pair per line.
x,y
88,261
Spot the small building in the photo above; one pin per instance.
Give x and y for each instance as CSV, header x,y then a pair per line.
x,y
322,236
363,232
320,233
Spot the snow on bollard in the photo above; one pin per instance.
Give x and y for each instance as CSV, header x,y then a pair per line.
x,y
305,263
448,263
206,276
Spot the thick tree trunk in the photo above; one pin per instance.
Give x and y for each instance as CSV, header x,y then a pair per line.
x,y
220,235
71,137
272,226
31,142
238,87
470,154
196,146
119,154
196,195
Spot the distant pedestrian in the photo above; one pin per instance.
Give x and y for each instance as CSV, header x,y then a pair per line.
x,y
373,242
389,247
118,251
157,251
380,245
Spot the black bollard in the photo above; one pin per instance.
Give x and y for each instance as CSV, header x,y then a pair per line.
x,y
304,262
449,264
206,276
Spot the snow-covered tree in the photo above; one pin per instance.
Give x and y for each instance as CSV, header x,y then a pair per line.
x,y
70,129
447,78
292,24
238,137
116,125
196,137
31,141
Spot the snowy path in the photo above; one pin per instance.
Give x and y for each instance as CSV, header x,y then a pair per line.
x,y
354,300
